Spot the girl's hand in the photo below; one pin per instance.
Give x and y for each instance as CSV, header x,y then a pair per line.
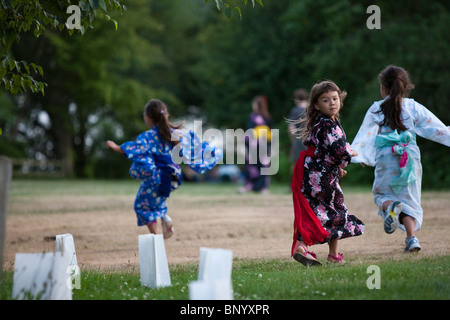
x,y
354,153
342,172
113,146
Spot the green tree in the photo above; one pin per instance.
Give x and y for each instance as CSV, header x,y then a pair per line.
x,y
92,77
412,35
99,77
245,61
20,16
293,44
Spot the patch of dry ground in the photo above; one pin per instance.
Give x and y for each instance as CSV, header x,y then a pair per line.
x,y
253,226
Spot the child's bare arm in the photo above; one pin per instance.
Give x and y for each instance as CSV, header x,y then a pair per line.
x,y
113,146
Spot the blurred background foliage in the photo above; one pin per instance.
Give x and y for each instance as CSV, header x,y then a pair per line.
x,y
187,53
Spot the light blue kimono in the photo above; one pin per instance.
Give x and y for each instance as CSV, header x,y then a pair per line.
x,y
390,177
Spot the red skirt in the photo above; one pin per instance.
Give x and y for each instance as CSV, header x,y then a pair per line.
x,y
305,220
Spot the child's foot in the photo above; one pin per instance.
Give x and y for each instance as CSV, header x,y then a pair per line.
x,y
243,190
167,226
305,257
334,259
391,218
412,244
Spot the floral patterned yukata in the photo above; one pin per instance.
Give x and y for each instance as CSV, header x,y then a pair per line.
x,y
151,159
402,154
321,182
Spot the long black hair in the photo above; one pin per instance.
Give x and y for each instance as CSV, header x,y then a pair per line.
x,y
397,85
157,111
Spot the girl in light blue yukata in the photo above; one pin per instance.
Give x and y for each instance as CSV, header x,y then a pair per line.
x,y
386,140
153,164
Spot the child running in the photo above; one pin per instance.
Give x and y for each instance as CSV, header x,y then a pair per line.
x,y
320,213
386,140
151,154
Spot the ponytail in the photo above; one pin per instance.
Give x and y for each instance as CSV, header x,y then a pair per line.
x,y
157,111
396,82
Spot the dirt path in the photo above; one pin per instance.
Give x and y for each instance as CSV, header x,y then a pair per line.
x,y
253,226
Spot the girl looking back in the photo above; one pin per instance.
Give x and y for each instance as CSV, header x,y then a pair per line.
x,y
320,213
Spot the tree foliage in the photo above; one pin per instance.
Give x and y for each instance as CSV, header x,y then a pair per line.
x,y
231,7
187,52
21,16
291,44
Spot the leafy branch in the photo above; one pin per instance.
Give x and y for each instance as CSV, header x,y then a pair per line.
x,y
20,16
231,6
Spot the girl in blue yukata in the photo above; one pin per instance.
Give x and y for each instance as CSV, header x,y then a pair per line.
x,y
387,141
153,164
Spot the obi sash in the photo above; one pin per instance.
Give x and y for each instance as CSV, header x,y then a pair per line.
x,y
399,144
168,174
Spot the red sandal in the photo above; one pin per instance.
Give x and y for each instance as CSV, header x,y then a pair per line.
x,y
308,258
334,259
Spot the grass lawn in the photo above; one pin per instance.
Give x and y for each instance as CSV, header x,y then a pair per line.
x,y
412,277
36,188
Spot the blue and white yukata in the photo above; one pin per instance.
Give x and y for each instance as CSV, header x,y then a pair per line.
x,y
396,156
154,166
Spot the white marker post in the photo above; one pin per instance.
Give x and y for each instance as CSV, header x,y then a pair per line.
x,y
66,245
41,276
214,276
154,268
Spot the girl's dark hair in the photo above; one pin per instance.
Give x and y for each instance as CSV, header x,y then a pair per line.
x,y
300,94
397,85
262,106
157,111
307,123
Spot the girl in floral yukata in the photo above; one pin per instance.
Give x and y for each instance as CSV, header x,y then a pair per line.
x,y
153,164
386,140
320,214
